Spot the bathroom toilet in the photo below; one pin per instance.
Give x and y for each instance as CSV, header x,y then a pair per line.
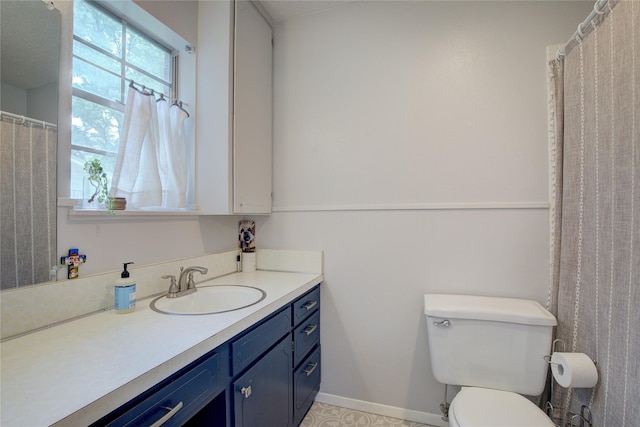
x,y
494,348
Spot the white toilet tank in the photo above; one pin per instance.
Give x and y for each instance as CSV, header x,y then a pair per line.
x,y
489,342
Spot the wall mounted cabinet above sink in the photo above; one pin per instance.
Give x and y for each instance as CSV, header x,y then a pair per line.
x,y
234,112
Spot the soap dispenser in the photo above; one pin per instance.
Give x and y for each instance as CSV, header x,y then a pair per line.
x,y
125,292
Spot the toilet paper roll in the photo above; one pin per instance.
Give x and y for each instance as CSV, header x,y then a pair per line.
x,y
574,370
248,262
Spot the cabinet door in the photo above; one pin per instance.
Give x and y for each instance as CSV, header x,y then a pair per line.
x,y
252,122
263,395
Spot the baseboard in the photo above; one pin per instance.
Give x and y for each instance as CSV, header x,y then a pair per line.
x,y
386,410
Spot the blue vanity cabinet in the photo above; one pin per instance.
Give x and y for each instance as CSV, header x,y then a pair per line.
x,y
267,375
281,379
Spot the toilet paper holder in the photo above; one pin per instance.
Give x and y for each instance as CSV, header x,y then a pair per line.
x,y
584,418
547,358
555,342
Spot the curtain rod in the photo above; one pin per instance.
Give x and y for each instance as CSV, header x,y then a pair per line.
x,y
153,92
598,9
23,119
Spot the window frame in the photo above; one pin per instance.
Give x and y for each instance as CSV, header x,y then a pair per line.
x,y
185,80
126,26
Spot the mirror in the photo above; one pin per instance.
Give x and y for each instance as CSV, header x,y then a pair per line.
x,y
30,42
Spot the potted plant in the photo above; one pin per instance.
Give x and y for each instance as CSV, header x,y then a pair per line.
x,y
96,179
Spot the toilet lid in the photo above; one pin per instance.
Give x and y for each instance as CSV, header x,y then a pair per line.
x,y
483,407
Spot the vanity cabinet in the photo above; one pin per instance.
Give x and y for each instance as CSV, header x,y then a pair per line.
x,y
279,388
234,111
268,375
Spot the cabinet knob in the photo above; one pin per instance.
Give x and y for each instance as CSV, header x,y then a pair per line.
x,y
246,391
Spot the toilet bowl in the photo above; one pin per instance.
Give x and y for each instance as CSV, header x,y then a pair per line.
x,y
484,407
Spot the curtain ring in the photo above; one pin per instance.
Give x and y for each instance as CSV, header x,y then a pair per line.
x,y
579,31
560,54
596,10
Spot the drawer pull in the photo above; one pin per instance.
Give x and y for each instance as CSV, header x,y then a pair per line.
x,y
168,415
310,368
309,305
246,391
309,329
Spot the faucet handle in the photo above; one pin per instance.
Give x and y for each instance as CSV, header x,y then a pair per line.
x,y
173,287
190,282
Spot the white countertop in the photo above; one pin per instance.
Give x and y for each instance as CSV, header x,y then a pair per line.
x,y
75,373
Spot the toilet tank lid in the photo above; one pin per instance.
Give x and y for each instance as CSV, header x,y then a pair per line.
x,y
511,310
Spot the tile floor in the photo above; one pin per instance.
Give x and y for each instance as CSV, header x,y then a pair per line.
x,y
324,415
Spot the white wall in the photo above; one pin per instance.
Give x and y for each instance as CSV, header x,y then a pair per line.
x,y
14,99
42,102
383,112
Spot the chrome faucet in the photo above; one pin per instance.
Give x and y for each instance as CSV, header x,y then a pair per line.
x,y
185,282
185,285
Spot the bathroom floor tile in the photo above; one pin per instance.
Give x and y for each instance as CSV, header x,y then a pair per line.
x,y
324,415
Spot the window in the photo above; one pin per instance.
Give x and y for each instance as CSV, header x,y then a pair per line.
x,y
107,53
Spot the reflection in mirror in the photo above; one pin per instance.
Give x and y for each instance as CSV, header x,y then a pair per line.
x,y
30,37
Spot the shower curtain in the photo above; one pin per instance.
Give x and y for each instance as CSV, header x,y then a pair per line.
x,y
595,211
27,201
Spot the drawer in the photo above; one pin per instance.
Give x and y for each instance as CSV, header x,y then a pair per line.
x,y
305,305
305,336
251,345
177,401
306,384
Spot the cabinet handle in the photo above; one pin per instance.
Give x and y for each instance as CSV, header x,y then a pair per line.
x,y
309,305
246,391
168,415
310,368
309,329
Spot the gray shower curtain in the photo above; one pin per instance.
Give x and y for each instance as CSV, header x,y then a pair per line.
x,y
595,159
27,202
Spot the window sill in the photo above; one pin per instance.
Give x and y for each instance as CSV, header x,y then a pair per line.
x,y
93,213
77,213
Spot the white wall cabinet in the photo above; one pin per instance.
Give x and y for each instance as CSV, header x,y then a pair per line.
x,y
234,111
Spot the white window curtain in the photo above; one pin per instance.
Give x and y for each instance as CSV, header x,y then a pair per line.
x,y
151,168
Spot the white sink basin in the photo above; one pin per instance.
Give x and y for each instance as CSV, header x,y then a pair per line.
x,y
210,300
